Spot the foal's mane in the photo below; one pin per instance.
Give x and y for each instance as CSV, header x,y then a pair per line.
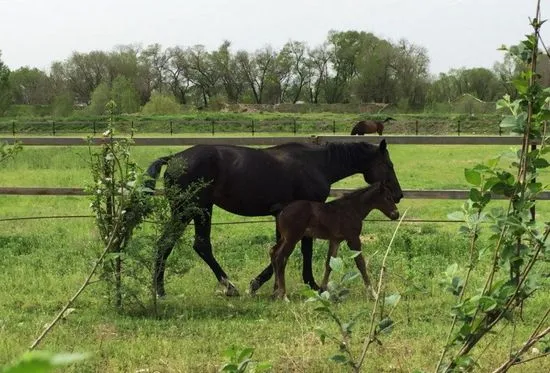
x,y
358,192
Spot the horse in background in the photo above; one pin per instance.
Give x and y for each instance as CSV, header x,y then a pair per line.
x,y
369,126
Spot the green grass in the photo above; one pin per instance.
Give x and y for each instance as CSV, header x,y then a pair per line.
x,y
44,261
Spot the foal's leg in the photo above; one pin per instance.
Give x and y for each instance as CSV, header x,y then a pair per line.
x,y
307,254
355,245
203,247
172,231
279,256
266,274
332,252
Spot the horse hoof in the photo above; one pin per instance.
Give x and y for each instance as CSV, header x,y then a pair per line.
x,y
254,286
231,292
277,295
314,286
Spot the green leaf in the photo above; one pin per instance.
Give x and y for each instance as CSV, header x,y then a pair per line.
x,y
350,276
451,270
385,325
487,304
473,177
245,353
337,264
475,195
508,122
392,300
541,163
229,367
263,366
339,359
456,216
322,334
41,361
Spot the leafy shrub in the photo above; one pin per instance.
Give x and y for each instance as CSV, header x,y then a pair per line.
x,y
161,104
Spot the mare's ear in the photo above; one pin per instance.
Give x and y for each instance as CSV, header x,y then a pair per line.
x,y
383,147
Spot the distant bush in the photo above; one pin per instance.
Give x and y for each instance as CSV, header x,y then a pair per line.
x,y
63,105
160,104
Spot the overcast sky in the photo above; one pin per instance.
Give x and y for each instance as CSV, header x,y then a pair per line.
x,y
457,33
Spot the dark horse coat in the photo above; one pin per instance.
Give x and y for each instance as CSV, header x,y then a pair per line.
x,y
250,182
369,126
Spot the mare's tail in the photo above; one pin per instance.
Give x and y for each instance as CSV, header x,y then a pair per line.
x,y
153,171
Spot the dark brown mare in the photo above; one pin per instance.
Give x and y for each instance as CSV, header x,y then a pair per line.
x,y
249,182
336,221
369,126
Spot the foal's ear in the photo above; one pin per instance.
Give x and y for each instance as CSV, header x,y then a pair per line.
x,y
383,147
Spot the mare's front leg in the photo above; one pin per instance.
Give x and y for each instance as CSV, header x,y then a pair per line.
x,y
307,254
332,252
203,247
355,245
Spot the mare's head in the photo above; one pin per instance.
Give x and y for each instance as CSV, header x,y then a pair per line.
x,y
380,169
379,196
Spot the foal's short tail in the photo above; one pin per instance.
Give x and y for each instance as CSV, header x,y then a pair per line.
x,y
153,171
388,119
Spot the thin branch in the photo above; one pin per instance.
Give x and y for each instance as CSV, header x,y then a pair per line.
x,y
80,290
370,337
513,360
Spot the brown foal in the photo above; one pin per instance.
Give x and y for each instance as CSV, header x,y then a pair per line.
x,y
336,221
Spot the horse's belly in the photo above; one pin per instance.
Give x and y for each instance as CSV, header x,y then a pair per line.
x,y
243,208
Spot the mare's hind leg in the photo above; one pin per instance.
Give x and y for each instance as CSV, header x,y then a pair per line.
x,y
307,271
332,252
355,245
203,247
172,231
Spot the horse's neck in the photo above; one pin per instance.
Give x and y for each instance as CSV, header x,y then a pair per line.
x,y
355,205
343,162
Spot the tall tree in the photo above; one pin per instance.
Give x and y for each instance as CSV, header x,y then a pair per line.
x,y
124,93
228,71
202,72
5,92
31,87
178,74
318,60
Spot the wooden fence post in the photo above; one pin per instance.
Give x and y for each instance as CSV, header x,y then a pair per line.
x,y
53,127
252,127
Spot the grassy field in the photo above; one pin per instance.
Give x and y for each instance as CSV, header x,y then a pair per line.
x,y
44,261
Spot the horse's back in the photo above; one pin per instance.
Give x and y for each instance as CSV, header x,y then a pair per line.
x,y
242,180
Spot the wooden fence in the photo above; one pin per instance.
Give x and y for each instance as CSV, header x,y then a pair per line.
x,y
259,141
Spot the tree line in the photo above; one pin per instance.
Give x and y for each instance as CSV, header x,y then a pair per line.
x,y
349,67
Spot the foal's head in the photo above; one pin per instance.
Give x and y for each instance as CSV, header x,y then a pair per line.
x,y
380,197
